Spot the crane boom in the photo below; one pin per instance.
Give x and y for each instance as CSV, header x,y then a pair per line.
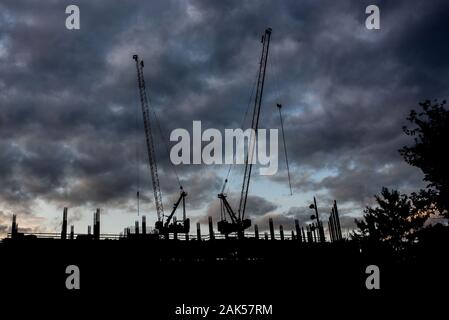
x,y
149,137
254,123
238,223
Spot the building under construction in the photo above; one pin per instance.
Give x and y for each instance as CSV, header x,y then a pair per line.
x,y
233,222
234,262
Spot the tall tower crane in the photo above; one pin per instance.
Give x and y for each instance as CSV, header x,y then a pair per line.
x,y
149,137
238,222
164,228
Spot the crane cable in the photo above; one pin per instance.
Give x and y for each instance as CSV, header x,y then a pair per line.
x,y
243,123
279,106
285,148
158,123
163,137
137,153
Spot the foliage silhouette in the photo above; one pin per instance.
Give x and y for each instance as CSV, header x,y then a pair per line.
x,y
396,220
431,133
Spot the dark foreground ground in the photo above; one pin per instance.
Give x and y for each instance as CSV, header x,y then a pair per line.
x,y
149,279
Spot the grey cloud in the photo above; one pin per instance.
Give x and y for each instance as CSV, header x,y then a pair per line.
x,y
68,100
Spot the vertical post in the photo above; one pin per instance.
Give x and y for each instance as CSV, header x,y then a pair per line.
x,y
281,230
293,235
309,234
335,226
256,231
72,232
298,231
64,225
89,231
186,225
320,229
14,227
211,229
136,227
198,231
266,236
97,225
175,229
183,209
331,226
144,225
337,220
316,209
270,222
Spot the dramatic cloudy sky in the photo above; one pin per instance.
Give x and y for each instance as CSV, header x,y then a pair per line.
x,y
69,104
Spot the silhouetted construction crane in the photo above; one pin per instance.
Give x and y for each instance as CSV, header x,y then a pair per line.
x,y
166,227
238,222
175,227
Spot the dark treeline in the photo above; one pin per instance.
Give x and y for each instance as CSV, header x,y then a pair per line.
x,y
401,220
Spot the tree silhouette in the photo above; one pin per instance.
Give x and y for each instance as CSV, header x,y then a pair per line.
x,y
429,153
395,220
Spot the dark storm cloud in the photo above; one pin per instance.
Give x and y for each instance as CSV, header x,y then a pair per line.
x,y
363,92
68,99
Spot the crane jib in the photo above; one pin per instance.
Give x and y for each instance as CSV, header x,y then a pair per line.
x,y
149,138
254,122
238,222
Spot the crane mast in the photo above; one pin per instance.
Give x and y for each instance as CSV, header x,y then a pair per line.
x,y
238,222
254,123
149,137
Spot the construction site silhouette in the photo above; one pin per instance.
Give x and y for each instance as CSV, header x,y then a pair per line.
x,y
235,262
